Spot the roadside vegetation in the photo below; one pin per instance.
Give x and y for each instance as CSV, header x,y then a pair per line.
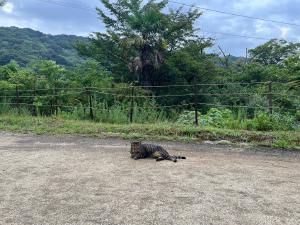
x,y
150,131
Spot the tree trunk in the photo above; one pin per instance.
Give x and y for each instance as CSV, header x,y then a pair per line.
x,y
146,66
146,75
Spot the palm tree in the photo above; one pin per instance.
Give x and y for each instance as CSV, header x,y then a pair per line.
x,y
147,59
139,36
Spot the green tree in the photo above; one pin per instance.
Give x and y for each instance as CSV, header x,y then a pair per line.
x,y
292,64
15,75
274,52
188,65
14,79
48,75
191,64
90,74
256,72
138,36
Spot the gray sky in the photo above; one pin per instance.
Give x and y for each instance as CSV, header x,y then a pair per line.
x,y
79,18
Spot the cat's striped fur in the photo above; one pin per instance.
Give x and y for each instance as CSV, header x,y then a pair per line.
x,y
140,151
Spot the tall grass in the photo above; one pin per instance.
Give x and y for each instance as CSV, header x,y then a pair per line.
x,y
118,113
12,110
149,112
261,121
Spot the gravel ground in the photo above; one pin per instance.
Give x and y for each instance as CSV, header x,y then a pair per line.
x,y
80,180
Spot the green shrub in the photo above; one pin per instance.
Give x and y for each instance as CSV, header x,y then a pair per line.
x,y
187,118
224,118
262,122
282,143
214,118
284,122
277,121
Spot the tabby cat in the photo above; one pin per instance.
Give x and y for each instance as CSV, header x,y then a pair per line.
x,y
140,151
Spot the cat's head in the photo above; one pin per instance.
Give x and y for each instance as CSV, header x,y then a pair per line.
x,y
135,148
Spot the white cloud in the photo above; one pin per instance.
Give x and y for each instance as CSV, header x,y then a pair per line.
x,y
43,26
252,5
8,7
284,31
263,28
22,23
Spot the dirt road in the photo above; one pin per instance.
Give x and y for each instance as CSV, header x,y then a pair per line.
x,y
78,180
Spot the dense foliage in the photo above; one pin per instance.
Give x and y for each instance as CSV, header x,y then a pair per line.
x,y
225,118
26,45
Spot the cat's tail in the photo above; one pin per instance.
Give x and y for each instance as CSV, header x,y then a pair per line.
x,y
175,157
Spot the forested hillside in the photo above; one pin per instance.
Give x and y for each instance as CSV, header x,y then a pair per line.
x,y
26,45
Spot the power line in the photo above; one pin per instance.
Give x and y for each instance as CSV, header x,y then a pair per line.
x,y
245,36
75,6
239,35
236,14
68,5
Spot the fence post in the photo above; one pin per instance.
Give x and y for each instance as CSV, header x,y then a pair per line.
x,y
270,98
196,102
55,102
90,104
34,108
131,105
18,99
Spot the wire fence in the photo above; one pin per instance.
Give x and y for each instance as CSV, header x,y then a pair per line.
x,y
33,98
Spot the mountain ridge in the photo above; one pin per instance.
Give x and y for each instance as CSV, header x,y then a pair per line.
x,y
26,45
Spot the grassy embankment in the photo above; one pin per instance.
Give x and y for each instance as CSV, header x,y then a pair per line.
x,y
162,131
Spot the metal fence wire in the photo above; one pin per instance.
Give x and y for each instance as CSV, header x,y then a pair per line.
x,y
28,98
